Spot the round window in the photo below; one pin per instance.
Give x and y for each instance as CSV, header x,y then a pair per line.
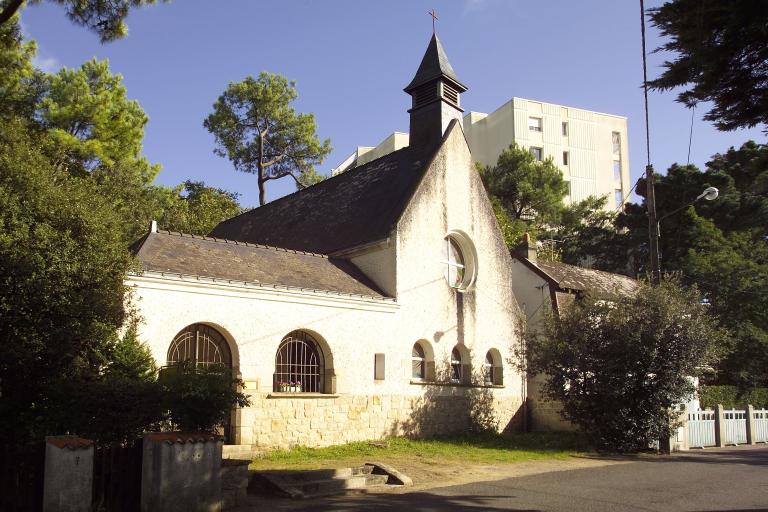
x,y
459,261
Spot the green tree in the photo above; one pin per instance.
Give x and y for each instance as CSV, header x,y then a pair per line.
x,y
587,231
529,192
92,123
721,246
199,208
721,49
62,266
20,84
257,129
104,17
619,369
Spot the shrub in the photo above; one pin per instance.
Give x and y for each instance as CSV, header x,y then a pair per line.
x,y
619,368
200,399
110,410
731,397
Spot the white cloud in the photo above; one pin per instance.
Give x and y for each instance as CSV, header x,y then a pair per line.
x,y
46,64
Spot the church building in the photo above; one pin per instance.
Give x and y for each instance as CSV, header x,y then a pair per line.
x,y
378,302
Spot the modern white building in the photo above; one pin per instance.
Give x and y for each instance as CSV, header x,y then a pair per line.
x,y
589,147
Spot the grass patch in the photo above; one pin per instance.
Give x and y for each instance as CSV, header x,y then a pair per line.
x,y
476,449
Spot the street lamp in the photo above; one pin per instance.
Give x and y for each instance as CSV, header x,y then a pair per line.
x,y
709,194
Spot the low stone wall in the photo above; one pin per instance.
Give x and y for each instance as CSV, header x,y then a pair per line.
x,y
545,416
282,420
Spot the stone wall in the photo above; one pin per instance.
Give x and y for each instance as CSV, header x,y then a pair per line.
x,y
283,421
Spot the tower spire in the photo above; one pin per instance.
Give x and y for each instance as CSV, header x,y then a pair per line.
x,y
435,91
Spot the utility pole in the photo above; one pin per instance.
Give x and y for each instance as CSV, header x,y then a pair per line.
x,y
653,225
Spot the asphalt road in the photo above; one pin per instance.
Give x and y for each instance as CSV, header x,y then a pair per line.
x,y
731,479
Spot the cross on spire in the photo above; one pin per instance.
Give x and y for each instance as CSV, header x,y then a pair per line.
x,y
433,13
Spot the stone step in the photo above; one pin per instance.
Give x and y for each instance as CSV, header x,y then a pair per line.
x,y
239,451
324,482
317,488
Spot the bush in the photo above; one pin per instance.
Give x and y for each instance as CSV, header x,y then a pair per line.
x,y
200,399
731,397
619,368
111,410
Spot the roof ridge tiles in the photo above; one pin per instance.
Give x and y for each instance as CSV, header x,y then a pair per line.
x,y
238,242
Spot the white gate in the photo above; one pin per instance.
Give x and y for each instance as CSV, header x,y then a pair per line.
x,y
735,426
701,428
761,425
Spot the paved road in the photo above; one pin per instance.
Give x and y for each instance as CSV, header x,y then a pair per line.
x,y
732,479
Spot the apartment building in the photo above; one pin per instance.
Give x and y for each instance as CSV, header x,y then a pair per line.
x,y
590,148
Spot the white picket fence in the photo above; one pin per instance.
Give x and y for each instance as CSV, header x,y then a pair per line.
x,y
701,429
735,426
761,425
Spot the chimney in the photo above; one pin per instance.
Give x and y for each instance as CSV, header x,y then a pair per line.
x,y
527,249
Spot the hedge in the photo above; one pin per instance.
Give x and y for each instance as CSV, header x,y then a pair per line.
x,y
731,398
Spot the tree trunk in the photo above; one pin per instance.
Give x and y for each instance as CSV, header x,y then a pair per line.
x,y
10,10
262,199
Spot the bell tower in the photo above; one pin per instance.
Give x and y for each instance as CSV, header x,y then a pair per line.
x,y
435,93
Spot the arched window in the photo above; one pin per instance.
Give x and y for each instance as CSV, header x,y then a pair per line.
x,y
493,369
201,345
418,363
488,368
457,370
299,365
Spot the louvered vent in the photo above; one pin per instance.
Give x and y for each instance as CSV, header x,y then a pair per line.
x,y
450,94
424,94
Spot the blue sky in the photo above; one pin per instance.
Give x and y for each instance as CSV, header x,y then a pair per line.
x,y
351,59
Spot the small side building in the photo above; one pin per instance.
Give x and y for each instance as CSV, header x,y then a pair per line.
x,y
543,287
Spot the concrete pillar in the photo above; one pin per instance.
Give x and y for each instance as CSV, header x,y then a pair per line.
x,y
181,472
680,439
750,410
68,478
719,426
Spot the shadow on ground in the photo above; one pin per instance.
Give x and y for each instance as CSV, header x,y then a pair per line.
x,y
413,501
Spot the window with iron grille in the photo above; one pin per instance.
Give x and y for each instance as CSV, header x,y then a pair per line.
x,y
299,365
200,344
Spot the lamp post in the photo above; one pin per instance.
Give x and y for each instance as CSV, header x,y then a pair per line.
x,y
709,194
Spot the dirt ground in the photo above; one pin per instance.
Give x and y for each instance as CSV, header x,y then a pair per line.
x,y
427,475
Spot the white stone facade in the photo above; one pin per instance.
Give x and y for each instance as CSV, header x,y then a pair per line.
x,y
407,266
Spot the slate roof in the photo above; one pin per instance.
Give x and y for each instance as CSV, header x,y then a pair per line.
x,y
604,285
355,207
166,251
433,65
